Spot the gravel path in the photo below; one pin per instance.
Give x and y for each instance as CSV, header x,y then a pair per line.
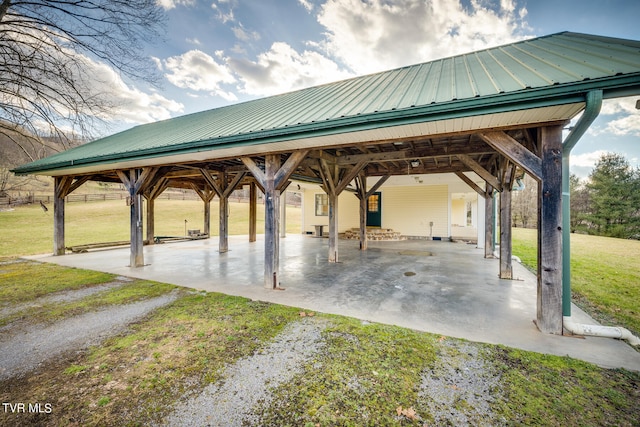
x,y
246,383
461,387
36,344
65,296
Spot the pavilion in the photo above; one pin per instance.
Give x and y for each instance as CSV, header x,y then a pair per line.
x,y
494,113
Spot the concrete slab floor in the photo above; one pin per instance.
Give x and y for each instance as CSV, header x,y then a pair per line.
x,y
433,286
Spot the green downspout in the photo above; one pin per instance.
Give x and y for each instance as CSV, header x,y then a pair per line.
x,y
592,109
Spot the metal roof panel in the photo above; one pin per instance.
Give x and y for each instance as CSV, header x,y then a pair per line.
x,y
535,72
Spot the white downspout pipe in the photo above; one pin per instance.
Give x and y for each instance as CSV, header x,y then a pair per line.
x,y
600,331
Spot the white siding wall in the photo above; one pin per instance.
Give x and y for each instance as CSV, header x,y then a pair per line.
x,y
409,210
405,209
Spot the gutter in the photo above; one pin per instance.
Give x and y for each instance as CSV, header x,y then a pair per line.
x,y
592,109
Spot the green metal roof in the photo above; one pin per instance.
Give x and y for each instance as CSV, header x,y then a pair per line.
x,y
552,70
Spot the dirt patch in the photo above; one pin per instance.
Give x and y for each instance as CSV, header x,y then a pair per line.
x,y
461,387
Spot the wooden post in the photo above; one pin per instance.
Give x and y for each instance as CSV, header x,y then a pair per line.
x,y
271,222
334,183
506,268
58,216
363,195
207,217
333,227
137,182
363,223
223,189
223,214
151,193
272,180
489,245
151,213
135,220
283,214
206,195
63,186
253,202
549,307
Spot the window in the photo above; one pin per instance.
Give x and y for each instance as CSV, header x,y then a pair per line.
x,y
322,205
373,203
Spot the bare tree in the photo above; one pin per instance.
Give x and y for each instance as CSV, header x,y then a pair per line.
x,y
524,204
49,51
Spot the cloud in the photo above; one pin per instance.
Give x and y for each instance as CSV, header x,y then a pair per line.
x,y
199,71
377,35
242,34
625,120
306,4
128,104
282,69
171,4
583,164
224,10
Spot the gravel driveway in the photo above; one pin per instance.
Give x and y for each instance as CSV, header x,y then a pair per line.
x,y
23,349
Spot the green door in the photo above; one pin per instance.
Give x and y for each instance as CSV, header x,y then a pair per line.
x,y
374,210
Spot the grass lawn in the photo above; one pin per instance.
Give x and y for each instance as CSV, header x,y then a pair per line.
x,y
367,371
28,230
605,275
363,374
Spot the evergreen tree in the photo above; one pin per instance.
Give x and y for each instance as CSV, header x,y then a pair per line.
x,y
614,188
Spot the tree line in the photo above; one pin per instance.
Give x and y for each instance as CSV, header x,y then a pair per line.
x,y
606,203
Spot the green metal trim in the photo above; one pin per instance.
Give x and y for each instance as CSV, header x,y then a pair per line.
x,y
592,109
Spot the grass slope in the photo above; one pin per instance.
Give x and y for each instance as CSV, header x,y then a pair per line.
x,y
605,275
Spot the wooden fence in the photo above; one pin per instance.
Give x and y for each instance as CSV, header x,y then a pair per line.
x,y
236,196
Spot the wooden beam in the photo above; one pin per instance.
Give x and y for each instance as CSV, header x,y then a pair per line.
x,y
470,183
549,307
377,185
255,170
290,165
230,188
350,176
481,171
146,177
208,177
78,182
514,151
413,154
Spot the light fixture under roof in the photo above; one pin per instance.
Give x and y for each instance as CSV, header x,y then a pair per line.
x,y
415,163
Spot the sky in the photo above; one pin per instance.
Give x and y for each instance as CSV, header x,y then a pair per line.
x,y
221,52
